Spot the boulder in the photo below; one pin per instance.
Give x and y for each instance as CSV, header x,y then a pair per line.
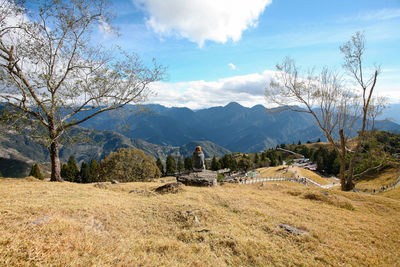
x,y
292,230
204,178
170,188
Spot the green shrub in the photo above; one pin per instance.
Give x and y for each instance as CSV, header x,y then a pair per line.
x,y
35,172
220,177
128,165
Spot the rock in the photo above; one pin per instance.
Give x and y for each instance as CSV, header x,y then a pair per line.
x,y
39,221
204,178
292,230
114,182
188,212
196,220
170,188
136,191
203,231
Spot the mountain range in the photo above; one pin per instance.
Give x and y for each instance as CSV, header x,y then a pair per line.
x,y
235,127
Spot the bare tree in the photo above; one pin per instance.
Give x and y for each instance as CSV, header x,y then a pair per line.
x,y
52,72
335,107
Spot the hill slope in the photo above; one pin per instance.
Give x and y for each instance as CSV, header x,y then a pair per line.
x,y
17,152
70,224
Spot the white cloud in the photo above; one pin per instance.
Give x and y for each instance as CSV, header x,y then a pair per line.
x,y
201,20
232,66
247,90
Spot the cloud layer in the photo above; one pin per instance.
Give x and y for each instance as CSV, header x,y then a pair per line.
x,y
247,90
201,20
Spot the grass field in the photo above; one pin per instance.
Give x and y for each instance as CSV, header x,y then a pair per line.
x,y
377,180
395,193
292,172
66,224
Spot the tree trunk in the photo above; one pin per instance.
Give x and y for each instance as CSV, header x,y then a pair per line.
x,y
345,180
342,160
55,163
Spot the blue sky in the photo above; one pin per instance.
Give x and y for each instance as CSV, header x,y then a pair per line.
x,y
219,51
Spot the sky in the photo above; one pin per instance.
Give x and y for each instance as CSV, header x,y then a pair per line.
x,y
219,51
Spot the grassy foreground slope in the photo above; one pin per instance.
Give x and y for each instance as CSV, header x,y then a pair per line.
x,y
70,224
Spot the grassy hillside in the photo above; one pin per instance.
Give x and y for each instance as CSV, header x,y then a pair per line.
x,y
375,181
292,172
70,224
395,193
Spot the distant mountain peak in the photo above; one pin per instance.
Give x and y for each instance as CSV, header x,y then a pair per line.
x,y
233,104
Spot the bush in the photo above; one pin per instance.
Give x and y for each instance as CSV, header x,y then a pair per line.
x,y
35,172
128,165
220,177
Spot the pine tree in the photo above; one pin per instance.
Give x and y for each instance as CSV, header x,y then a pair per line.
x,y
71,171
180,166
299,143
170,167
64,170
160,165
320,164
232,163
94,170
85,173
215,166
256,160
272,155
35,172
188,162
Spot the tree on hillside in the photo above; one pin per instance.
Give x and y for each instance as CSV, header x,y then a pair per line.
x,y
70,170
170,165
128,165
1,175
273,157
94,170
160,165
179,165
188,162
35,172
245,164
84,174
215,166
52,75
336,108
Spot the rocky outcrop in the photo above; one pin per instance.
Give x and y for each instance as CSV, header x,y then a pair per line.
x,y
292,230
204,178
170,188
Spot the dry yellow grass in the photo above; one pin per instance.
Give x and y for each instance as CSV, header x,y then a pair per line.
x,y
376,181
278,171
283,171
66,224
312,175
395,193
